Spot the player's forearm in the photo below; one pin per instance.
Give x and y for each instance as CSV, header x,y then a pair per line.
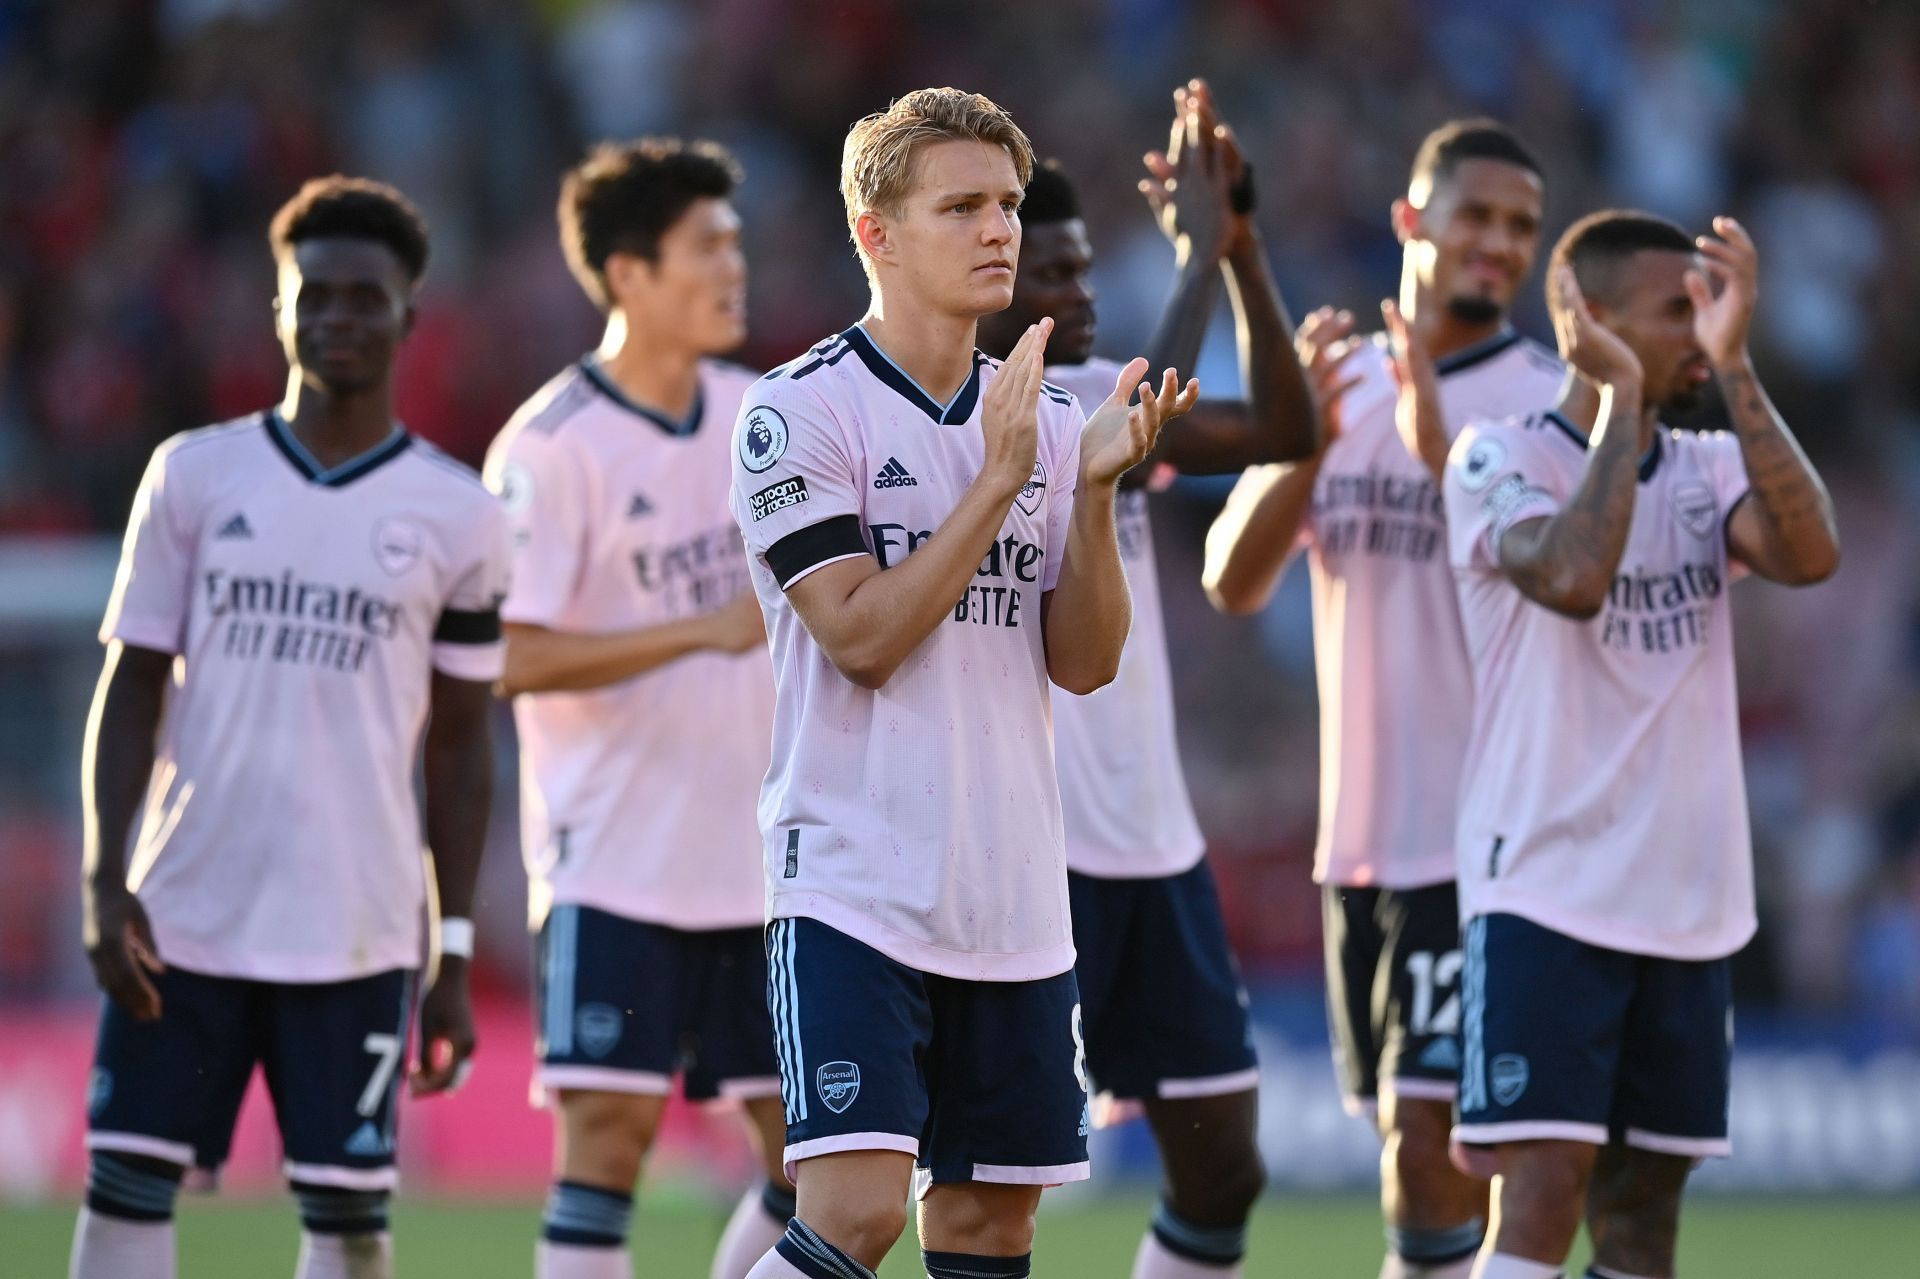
x,y
1175,344
1567,561
1254,535
540,660
118,753
458,775
1284,419
1091,609
1801,536
891,612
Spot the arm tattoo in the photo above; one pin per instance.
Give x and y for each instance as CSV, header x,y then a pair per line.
x,y
1795,511
1567,561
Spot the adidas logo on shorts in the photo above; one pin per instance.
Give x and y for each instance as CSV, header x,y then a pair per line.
x,y
368,1142
894,476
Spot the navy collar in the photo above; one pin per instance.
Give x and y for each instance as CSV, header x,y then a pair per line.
x,y
590,366
952,413
340,476
1480,352
1649,461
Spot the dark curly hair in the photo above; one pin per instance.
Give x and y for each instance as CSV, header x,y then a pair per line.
x,y
355,209
625,195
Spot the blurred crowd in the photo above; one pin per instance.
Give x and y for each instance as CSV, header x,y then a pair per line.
x,y
145,143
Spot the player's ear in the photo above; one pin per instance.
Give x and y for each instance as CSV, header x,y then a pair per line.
x,y
618,274
1406,220
871,232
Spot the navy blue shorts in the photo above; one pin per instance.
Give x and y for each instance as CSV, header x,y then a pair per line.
x,y
624,1006
334,1054
978,1080
1570,1041
1166,1015
1393,991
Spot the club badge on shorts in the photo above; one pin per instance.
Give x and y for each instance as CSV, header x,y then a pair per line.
x,y
839,1084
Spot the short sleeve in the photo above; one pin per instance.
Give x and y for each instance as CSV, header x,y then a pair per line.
x,y
467,640
1496,477
544,507
1726,468
795,494
1060,486
151,592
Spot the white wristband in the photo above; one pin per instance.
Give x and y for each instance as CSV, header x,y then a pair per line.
x,y
456,937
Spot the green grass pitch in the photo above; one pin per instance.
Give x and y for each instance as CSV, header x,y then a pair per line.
x,y
1314,1238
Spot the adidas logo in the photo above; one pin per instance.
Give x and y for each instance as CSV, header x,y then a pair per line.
x,y
236,527
1442,1054
368,1143
894,476
638,507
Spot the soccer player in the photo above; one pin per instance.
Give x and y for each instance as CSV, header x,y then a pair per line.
x,y
1166,1025
644,701
302,591
1395,687
1606,872
932,533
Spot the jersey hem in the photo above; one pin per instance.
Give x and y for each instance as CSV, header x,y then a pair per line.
x,y
204,964
1079,864
1033,965
1555,921
141,638
1394,884
727,923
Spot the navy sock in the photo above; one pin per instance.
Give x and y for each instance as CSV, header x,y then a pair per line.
x,y
1208,1245
586,1216
965,1265
813,1256
132,1189
1436,1247
335,1210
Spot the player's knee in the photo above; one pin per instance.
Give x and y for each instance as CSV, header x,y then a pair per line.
x,y
1542,1190
1224,1192
1418,1173
336,1210
607,1135
865,1228
980,1219
132,1187
1636,1211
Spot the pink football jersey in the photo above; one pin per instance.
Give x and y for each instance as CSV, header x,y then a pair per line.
x,y
308,609
1603,795
922,818
637,797
1395,690
1125,797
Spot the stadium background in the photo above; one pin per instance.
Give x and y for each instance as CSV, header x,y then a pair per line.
x,y
144,144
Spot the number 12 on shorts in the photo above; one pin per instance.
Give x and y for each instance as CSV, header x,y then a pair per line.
x,y
1430,974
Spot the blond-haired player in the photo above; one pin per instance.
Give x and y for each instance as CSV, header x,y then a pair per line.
x,y
932,537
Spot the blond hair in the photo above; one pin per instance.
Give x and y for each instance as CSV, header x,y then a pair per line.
x,y
877,163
